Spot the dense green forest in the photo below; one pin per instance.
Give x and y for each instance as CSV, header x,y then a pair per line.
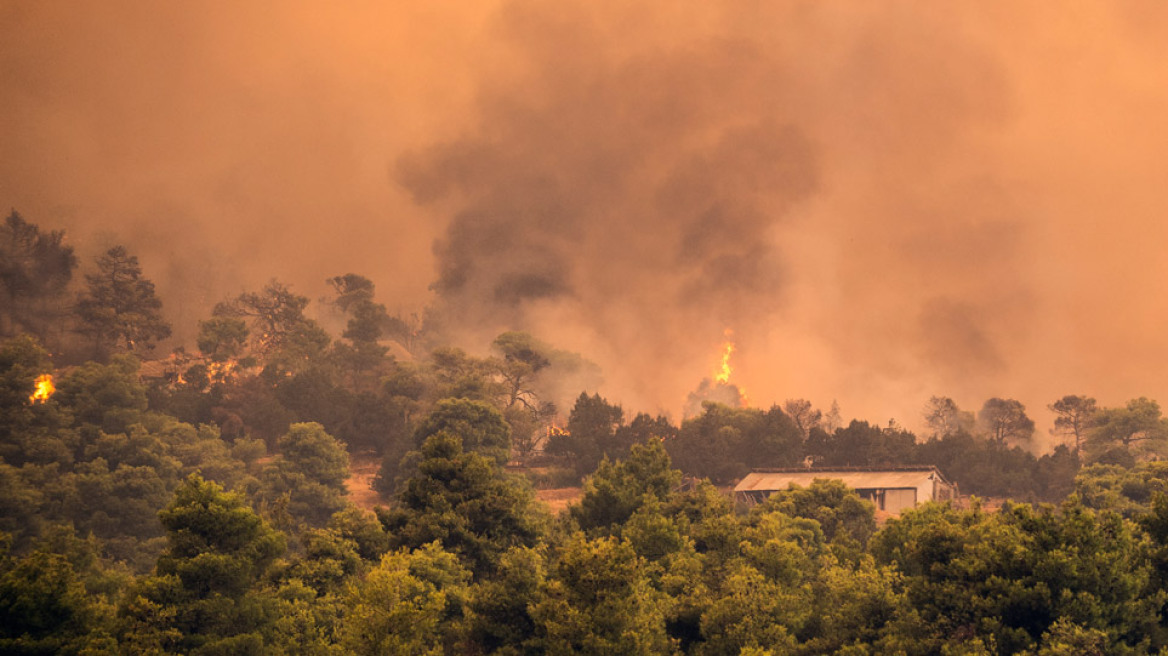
x,y
195,501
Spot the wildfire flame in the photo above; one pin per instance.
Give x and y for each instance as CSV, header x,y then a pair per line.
x,y
724,371
44,389
221,371
717,388
722,375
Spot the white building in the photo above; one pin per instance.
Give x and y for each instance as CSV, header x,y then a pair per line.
x,y
892,489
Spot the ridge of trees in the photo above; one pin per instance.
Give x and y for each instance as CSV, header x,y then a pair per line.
x,y
205,510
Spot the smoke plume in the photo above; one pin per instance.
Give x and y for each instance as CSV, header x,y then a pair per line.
x,y
884,202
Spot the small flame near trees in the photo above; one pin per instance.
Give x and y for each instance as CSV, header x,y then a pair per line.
x,y
44,388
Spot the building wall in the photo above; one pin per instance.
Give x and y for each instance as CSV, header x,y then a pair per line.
x,y
896,501
889,495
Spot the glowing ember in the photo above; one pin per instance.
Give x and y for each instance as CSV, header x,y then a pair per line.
x,y
44,389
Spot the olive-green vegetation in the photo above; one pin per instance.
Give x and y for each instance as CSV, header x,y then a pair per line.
x,y
118,309
199,504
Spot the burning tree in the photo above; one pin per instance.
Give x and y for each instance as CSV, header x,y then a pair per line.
x,y
717,388
21,361
43,388
280,334
594,431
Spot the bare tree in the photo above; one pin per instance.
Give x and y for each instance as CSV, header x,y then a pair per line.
x,y
944,417
804,416
832,421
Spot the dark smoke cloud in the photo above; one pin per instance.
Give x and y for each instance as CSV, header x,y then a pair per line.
x,y
652,190
530,230
884,201
635,187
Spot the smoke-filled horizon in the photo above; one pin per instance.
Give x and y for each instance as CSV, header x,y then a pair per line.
x,y
884,202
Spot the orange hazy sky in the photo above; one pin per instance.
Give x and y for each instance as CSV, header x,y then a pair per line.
x,y
885,201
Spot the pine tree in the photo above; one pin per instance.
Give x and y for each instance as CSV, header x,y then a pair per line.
x,y
119,309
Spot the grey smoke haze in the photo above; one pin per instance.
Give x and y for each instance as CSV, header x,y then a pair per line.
x,y
884,201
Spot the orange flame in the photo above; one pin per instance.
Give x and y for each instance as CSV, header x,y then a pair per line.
x,y
221,371
44,389
723,373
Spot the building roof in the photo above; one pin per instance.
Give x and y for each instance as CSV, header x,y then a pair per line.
x,y
855,478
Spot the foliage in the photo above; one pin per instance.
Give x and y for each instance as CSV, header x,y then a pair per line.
x,y
1075,415
1008,578
763,596
104,397
45,606
842,515
619,488
222,339
990,468
479,426
1005,420
861,444
202,596
466,562
93,456
522,359
282,338
460,376
216,544
598,600
462,500
35,270
363,529
25,427
122,538
364,358
499,608
409,604
592,433
1128,492
119,308
1134,430
724,443
307,480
